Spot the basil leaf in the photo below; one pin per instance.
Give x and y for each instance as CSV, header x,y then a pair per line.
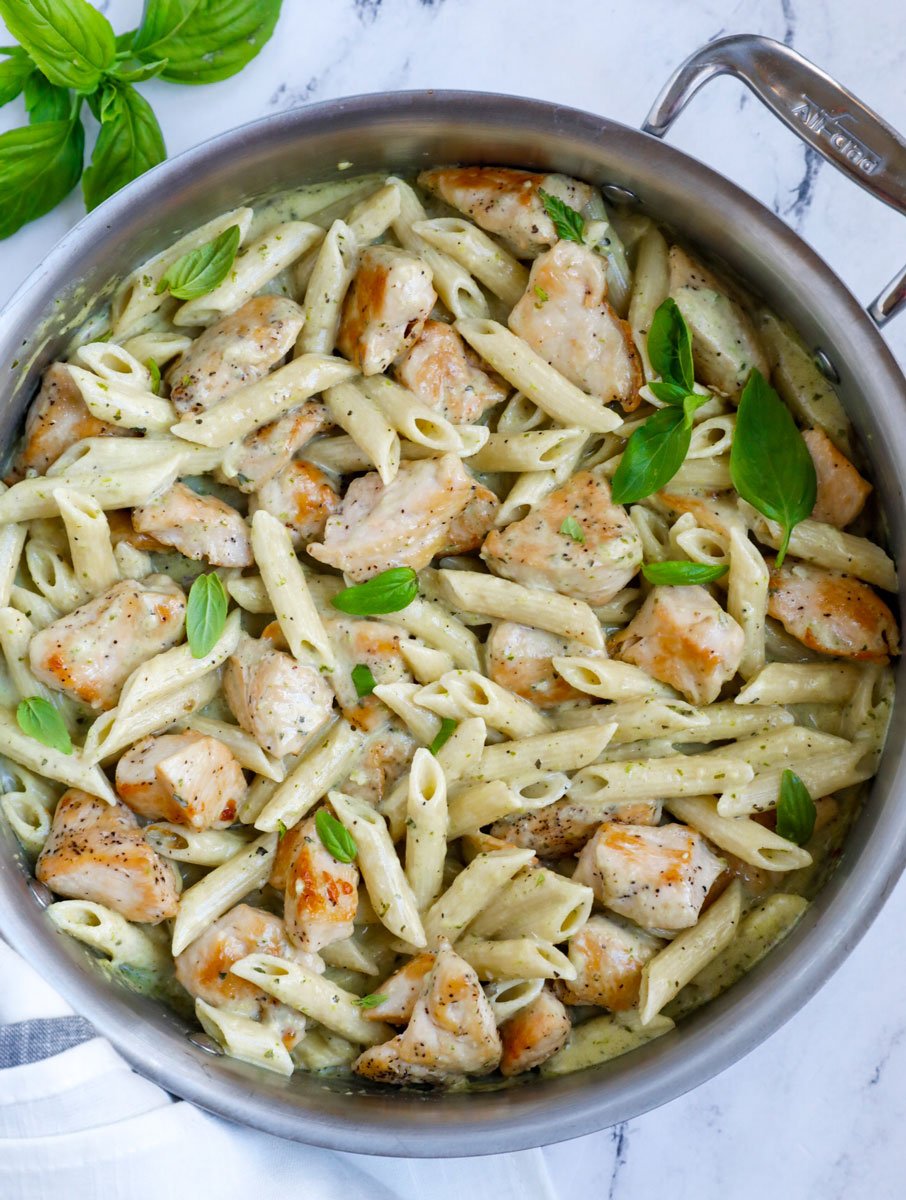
x,y
205,614
569,224
39,165
69,41
14,73
447,725
335,837
670,346
655,452
39,719
372,1000
216,39
572,529
201,270
161,19
680,573
770,465
44,101
281,830
668,393
140,73
796,810
388,592
130,142
152,366
362,679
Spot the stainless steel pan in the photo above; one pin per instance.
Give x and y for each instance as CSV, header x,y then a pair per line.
x,y
405,131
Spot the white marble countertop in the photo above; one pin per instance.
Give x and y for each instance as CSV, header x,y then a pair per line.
x,y
817,1112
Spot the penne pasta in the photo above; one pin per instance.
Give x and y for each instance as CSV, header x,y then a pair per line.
x,y
221,888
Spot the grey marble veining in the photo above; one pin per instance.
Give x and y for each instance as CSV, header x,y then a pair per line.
x,y
818,1111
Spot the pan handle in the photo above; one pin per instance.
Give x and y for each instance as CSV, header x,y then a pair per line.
x,y
824,114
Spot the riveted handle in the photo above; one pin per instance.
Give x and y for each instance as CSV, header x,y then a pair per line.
x,y
825,115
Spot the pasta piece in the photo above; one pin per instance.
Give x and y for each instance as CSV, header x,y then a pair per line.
x,y
333,272
401,698
801,683
479,805
747,600
75,770
122,405
480,255
309,780
426,828
650,285
530,451
249,592
162,345
537,902
669,971
681,775
471,892
54,577
509,996
109,735
388,888
468,694
245,1039
642,718
203,847
610,680
748,840
90,546
566,751
221,888
410,418
374,214
515,958
602,1039
425,663
368,427
122,942
436,625
822,774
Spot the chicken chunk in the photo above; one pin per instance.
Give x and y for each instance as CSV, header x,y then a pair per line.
x,y
565,317
90,653
564,827
385,308
608,957
320,894
238,350
401,990
519,659
271,448
403,524
385,759
658,877
842,491
451,1031
832,613
533,1034
203,968
683,637
534,552
466,532
371,644
97,851
202,528
186,778
57,419
447,375
506,202
302,497
276,699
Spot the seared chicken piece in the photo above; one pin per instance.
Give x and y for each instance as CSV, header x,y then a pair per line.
x,y
401,990
302,497
202,528
506,202
725,346
564,827
240,349
97,851
320,894
534,552
519,659
842,491
565,317
832,613
683,637
57,418
608,957
276,699
386,758
271,448
533,1034
370,644
658,877
447,375
451,1032
203,968
403,524
90,653
186,778
385,308
466,532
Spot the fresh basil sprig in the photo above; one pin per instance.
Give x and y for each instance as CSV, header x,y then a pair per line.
x,y
670,349
569,224
205,614
678,574
388,592
770,465
202,269
68,53
40,720
362,679
335,837
447,726
796,810
372,1000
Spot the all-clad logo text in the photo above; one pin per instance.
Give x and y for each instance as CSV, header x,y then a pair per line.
x,y
819,120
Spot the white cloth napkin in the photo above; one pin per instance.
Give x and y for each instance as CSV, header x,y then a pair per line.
x,y
81,1125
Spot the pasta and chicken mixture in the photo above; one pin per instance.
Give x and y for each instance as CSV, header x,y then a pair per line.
x,y
444,637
